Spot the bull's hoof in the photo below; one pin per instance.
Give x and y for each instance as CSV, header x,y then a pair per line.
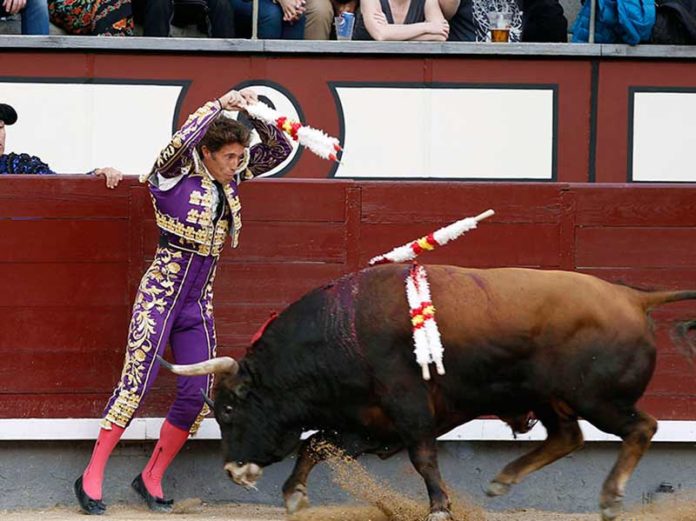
x,y
612,509
297,500
496,488
439,516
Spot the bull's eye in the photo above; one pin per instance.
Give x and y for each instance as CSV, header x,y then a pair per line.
x,y
228,409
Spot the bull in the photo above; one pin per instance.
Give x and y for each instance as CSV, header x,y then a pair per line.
x,y
340,361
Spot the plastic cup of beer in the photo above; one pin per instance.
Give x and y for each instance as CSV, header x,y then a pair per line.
x,y
499,24
344,26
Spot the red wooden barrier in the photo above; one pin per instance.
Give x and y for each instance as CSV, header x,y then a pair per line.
x,y
72,253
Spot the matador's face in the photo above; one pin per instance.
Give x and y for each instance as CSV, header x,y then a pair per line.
x,y
223,164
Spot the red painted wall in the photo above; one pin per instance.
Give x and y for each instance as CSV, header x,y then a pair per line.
x,y
72,253
308,78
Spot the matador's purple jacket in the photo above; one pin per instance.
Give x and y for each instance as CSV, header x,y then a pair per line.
x,y
195,214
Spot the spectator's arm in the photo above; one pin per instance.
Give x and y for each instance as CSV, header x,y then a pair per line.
x,y
448,8
272,151
180,148
435,17
112,176
378,27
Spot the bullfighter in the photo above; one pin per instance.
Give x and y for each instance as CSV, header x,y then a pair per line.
x,y
194,189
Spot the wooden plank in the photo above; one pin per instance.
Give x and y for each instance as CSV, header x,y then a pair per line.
x,y
24,196
648,278
138,200
235,325
295,201
63,329
70,405
635,247
71,240
641,205
61,284
492,245
669,406
673,375
567,226
270,283
89,371
51,371
441,203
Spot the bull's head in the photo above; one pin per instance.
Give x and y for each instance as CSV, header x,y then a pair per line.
x,y
253,435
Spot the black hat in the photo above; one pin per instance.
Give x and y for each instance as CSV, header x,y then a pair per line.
x,y
7,114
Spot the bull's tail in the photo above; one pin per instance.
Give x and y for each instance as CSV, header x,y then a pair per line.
x,y
651,299
681,334
685,342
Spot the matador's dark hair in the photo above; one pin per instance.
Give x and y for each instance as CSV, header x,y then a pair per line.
x,y
224,131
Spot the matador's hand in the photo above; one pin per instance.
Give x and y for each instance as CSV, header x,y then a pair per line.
x,y
249,95
233,100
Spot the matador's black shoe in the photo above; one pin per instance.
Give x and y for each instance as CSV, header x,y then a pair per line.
x,y
93,507
156,504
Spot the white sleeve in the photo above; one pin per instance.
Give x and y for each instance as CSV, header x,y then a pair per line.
x,y
167,183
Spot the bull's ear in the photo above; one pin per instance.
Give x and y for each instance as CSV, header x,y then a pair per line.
x,y
241,390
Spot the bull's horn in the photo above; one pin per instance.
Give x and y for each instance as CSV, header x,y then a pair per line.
x,y
221,364
207,399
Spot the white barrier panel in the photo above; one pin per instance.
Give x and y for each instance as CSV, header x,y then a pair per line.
x,y
664,136
149,428
468,133
76,127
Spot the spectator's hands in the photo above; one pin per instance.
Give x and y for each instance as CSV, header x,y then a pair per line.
x,y
233,100
113,176
14,6
289,8
300,8
439,28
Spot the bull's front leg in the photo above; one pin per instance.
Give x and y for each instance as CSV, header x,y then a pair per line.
x,y
315,449
295,487
424,458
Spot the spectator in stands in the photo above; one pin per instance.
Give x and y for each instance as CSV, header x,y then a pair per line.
x,y
401,20
25,164
320,15
543,21
460,15
284,20
213,17
93,17
33,13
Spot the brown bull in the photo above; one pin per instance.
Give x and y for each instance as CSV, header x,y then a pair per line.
x,y
340,361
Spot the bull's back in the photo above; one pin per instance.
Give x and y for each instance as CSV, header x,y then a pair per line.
x,y
509,326
515,303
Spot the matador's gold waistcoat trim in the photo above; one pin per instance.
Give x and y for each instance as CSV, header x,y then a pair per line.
x,y
194,224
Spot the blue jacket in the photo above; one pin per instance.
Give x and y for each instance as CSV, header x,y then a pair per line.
x,y
22,164
617,21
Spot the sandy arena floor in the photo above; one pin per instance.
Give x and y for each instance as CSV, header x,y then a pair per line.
x,y
197,512
377,502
